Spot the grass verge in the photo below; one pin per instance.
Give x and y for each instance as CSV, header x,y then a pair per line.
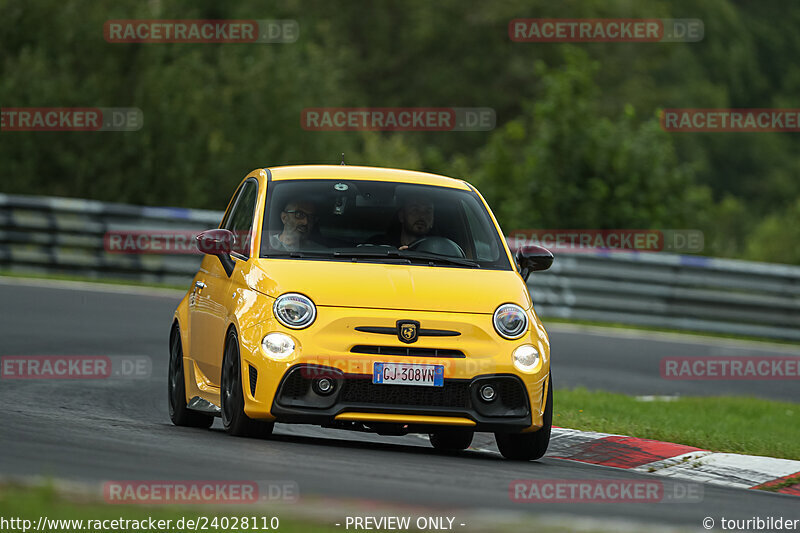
x,y
87,279
742,425
788,482
30,503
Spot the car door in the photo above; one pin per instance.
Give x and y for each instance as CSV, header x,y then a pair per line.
x,y
209,316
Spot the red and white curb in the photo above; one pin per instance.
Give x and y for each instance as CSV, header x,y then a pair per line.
x,y
673,460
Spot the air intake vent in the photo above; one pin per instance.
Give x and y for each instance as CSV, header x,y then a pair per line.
x,y
454,394
408,351
253,373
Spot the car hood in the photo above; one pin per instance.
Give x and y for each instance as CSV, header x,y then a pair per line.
x,y
390,286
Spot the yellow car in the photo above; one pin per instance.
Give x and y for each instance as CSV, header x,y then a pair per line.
x,y
368,299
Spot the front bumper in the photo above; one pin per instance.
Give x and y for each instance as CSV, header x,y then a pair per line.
x,y
356,398
334,342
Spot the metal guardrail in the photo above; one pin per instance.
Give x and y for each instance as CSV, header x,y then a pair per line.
x,y
673,291
65,236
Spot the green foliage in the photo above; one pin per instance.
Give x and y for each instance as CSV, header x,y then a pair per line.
x,y
75,508
776,237
577,142
562,164
727,226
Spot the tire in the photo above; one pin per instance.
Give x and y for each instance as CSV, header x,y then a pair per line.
x,y
176,388
234,419
452,440
529,446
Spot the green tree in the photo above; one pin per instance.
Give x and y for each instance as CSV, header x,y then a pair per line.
x,y
775,238
563,164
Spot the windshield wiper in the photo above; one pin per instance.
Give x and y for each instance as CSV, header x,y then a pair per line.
x,y
387,254
409,256
298,254
390,253
441,259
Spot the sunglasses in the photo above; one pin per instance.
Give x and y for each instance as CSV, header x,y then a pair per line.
x,y
300,214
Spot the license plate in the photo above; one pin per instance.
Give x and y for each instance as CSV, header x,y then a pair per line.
x,y
407,374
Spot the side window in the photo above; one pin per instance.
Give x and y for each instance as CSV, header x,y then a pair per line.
x,y
240,219
485,245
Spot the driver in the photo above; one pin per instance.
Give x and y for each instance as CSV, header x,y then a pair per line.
x,y
299,218
415,218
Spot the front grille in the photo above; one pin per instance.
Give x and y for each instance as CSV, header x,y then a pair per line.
x,y
354,391
511,393
253,373
454,394
295,385
407,351
422,332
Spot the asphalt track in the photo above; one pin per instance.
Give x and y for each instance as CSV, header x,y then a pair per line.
x,y
99,430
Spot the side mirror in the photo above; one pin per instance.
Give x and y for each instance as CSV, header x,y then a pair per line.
x,y
218,242
533,259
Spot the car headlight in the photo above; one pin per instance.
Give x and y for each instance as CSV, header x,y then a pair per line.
x,y
294,310
525,357
277,345
510,321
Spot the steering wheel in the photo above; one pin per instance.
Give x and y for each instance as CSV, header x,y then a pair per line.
x,y
438,246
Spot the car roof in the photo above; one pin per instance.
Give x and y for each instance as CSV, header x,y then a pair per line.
x,y
349,172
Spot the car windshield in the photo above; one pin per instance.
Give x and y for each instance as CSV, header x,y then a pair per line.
x,y
375,221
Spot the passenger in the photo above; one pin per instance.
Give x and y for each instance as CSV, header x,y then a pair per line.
x,y
299,218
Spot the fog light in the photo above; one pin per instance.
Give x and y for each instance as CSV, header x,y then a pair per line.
x,y
488,393
324,386
277,345
526,358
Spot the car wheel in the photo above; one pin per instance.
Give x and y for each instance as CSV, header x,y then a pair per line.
x,y
452,440
234,419
176,388
529,446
